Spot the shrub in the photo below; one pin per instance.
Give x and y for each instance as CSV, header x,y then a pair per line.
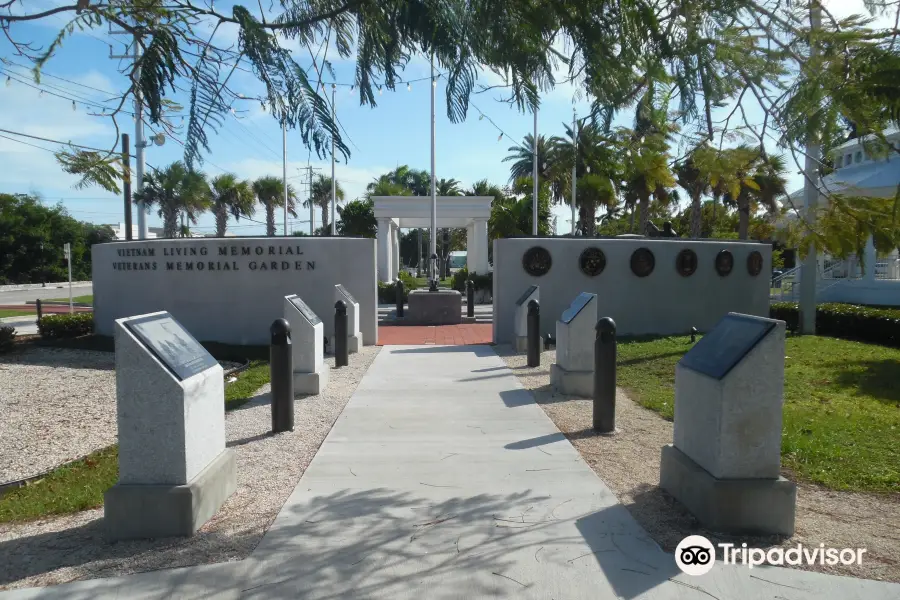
x,y
387,292
848,321
7,336
66,326
481,282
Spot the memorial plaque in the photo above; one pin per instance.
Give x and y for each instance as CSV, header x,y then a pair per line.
x,y
537,261
686,262
172,345
724,263
346,294
754,263
642,262
525,296
307,312
720,350
592,262
581,300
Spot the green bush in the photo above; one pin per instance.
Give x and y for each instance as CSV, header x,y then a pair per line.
x,y
848,321
66,326
481,282
387,292
7,336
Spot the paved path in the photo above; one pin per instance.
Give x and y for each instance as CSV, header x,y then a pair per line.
x,y
443,479
448,335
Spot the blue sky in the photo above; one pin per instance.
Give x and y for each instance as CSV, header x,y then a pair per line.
x,y
395,132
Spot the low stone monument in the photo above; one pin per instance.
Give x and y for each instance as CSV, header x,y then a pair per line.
x,y
438,307
174,469
354,338
726,460
307,343
520,327
573,371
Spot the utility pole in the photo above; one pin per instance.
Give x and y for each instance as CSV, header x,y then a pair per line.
x,y
126,184
534,198
284,172
574,162
810,268
312,207
433,241
333,181
139,143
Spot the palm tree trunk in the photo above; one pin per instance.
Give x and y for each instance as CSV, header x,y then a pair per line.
x,y
170,221
743,218
631,219
715,206
270,219
326,226
644,213
696,214
221,213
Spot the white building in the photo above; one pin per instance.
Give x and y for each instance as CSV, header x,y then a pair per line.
x,y
856,173
119,230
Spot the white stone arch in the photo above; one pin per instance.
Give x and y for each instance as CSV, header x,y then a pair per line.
x,y
410,212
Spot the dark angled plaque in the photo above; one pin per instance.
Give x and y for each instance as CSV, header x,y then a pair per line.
x,y
754,263
300,305
722,349
537,261
686,262
592,261
171,343
724,263
642,262
347,294
580,301
525,296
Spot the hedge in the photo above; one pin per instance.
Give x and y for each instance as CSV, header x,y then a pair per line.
x,y
7,336
66,326
848,321
481,282
387,292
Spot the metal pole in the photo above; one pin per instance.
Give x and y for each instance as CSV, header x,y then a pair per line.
x,y
534,198
126,185
40,312
810,268
693,334
69,259
399,293
533,334
281,376
605,376
432,273
341,349
312,208
574,163
284,172
470,299
139,139
333,180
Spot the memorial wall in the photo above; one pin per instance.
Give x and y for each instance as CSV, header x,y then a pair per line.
x,y
649,286
231,289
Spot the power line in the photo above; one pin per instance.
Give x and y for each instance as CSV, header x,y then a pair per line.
x,y
8,62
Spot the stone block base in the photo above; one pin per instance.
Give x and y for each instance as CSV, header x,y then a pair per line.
x,y
575,383
443,307
354,343
740,506
133,511
311,383
469,320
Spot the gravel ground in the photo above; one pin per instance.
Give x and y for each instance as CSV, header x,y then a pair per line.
x,y
66,410
629,464
72,547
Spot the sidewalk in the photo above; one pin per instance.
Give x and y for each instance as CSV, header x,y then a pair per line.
x,y
443,479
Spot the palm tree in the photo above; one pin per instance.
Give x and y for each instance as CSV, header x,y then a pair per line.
x,y
231,195
416,182
770,185
523,158
512,216
447,187
269,191
647,174
739,182
693,175
320,195
175,190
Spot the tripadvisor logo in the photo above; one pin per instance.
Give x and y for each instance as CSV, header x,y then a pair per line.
x,y
696,555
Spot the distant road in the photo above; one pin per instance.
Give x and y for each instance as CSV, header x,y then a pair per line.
x,y
51,291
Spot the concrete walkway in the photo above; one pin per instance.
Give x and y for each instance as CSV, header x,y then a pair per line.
x,y
443,479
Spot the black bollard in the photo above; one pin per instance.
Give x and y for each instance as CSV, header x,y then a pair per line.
x,y
693,334
534,336
40,313
399,289
281,374
341,349
605,376
470,299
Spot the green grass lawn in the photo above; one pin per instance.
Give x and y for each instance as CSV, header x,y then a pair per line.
x,y
16,313
841,410
89,299
80,485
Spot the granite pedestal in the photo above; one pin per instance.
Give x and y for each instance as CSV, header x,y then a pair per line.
x,y
725,463
174,469
307,343
443,307
520,327
573,371
354,338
